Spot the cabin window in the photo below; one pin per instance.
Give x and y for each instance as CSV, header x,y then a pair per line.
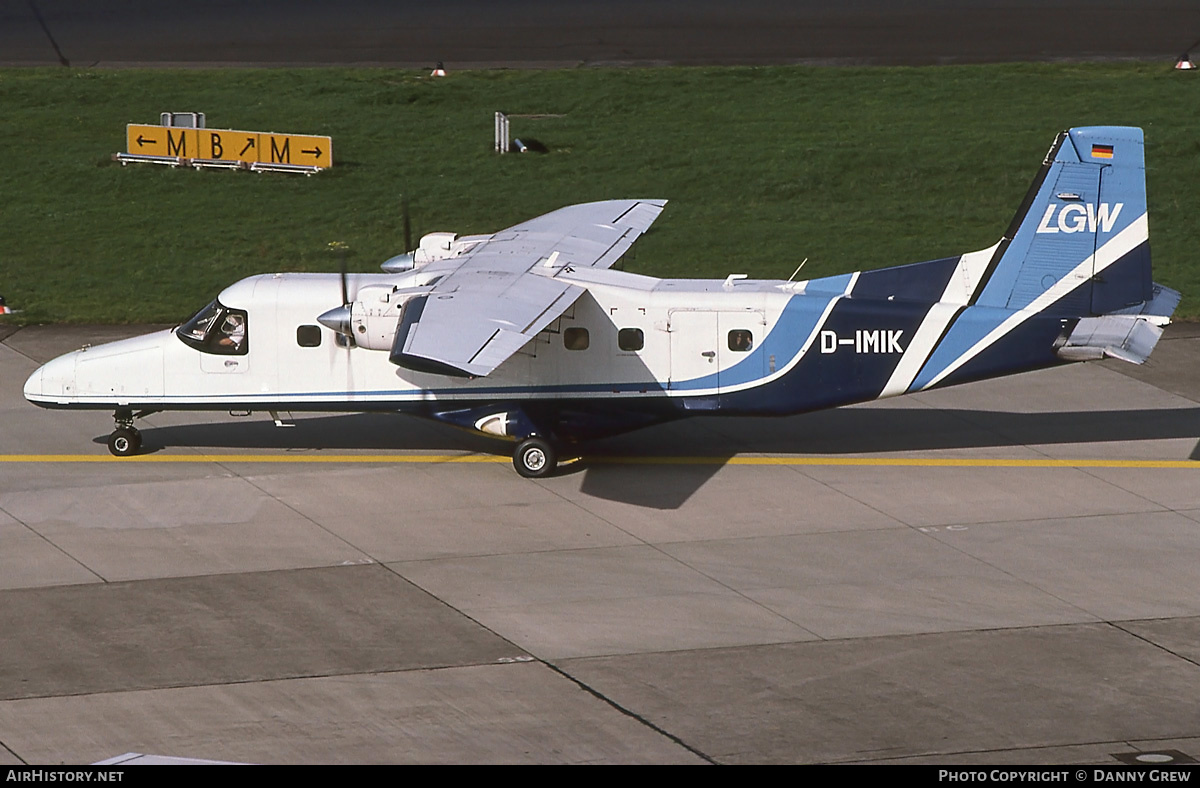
x,y
630,339
217,329
308,336
740,340
575,338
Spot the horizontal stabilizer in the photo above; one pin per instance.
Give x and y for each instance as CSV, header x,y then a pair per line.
x,y
1126,337
1129,334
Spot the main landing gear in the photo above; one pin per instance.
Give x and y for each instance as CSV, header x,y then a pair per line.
x,y
535,457
125,440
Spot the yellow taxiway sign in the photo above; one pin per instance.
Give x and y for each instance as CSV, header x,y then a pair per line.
x,y
251,147
162,141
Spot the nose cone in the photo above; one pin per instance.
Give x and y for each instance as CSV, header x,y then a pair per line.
x,y
399,264
33,386
337,319
53,382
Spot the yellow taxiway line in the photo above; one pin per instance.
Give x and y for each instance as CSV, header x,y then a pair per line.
x,y
904,462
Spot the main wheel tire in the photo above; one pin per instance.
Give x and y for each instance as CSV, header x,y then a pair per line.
x,y
535,458
124,441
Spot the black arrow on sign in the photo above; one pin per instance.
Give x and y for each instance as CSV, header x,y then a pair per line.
x,y
249,145
315,152
142,141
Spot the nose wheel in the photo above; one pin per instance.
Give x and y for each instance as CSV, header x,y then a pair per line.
x,y
535,458
125,439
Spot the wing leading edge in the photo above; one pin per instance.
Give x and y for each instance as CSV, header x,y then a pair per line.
x,y
504,291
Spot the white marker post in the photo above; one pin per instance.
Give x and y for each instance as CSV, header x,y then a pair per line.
x,y
501,133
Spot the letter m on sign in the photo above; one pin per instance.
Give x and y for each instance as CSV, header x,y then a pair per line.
x,y
281,154
176,148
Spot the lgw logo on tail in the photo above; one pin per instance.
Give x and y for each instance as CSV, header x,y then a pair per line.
x,y
1075,218
880,341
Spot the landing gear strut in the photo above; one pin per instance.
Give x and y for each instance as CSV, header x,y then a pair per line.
x,y
535,458
125,439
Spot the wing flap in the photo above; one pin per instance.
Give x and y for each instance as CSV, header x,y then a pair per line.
x,y
504,291
469,334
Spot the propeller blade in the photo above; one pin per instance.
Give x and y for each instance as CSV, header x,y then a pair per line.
x,y
345,287
340,318
407,223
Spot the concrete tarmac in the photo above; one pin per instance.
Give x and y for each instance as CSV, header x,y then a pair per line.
x,y
376,589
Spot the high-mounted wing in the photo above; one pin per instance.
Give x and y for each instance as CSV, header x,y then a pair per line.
x,y
501,293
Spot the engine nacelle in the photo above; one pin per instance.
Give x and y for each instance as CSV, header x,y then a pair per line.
x,y
433,247
374,316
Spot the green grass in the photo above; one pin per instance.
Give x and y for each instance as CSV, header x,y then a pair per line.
x,y
853,168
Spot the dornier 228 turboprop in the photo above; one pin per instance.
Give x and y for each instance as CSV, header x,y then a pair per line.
x,y
530,334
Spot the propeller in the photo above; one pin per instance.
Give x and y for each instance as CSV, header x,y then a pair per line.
x,y
342,272
338,318
406,223
406,261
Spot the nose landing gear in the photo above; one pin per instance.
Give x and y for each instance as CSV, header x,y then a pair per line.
x,y
125,440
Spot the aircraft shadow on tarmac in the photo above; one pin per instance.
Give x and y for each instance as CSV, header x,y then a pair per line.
x,y
874,430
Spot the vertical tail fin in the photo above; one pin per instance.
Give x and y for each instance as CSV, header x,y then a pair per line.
x,y
1079,244
1077,255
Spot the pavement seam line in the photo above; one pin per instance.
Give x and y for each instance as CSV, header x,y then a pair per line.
x,y
578,682
541,483
630,713
17,350
1091,472
740,594
60,549
299,513
800,470
314,676
1117,625
657,547
933,534
13,752
522,651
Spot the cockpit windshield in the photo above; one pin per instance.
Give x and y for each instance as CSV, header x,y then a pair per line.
x,y
216,329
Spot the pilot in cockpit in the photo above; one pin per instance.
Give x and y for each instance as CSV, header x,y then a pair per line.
x,y
233,332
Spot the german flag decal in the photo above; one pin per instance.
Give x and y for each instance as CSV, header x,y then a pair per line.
x,y
1102,151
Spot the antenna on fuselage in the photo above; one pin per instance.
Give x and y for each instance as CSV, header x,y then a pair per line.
x,y
793,276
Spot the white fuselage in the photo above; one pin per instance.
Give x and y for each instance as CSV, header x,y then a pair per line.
x,y
683,349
